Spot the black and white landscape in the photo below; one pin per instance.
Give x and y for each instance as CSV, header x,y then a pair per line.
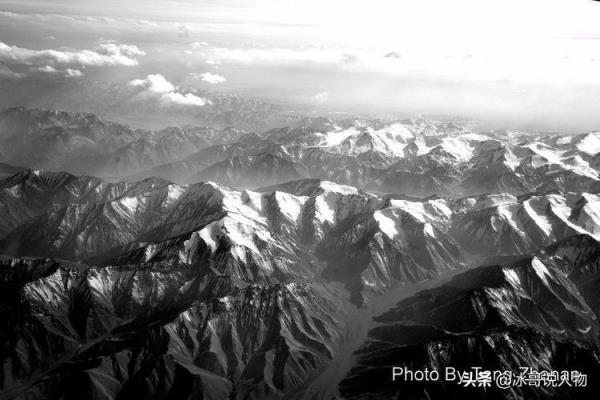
x,y
165,240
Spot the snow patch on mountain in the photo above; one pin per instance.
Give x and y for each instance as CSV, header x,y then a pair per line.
x,y
536,209
248,204
131,203
325,205
336,137
388,222
577,164
174,192
564,140
337,188
290,205
590,144
510,159
562,210
462,147
360,138
507,214
589,218
551,156
487,201
512,277
540,269
210,234
395,131
435,211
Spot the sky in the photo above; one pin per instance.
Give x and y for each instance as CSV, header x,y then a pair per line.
x,y
527,63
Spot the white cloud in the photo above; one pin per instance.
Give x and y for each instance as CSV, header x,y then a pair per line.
x,y
114,49
9,14
154,83
209,77
107,54
145,22
321,98
73,73
187,99
69,72
158,87
573,65
48,69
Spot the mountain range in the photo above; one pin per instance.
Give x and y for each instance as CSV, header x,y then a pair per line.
x,y
413,157
301,262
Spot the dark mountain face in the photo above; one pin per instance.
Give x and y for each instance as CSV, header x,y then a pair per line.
x,y
57,140
7,170
165,145
85,144
303,262
253,171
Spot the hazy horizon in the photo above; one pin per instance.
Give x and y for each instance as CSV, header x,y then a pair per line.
x,y
531,65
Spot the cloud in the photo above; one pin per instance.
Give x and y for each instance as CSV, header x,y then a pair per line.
x,y
69,72
113,49
107,54
187,99
9,14
145,22
571,66
321,98
158,87
304,57
154,83
73,73
48,69
208,77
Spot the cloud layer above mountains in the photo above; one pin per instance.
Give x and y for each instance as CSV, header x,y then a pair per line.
x,y
474,58
20,60
106,54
